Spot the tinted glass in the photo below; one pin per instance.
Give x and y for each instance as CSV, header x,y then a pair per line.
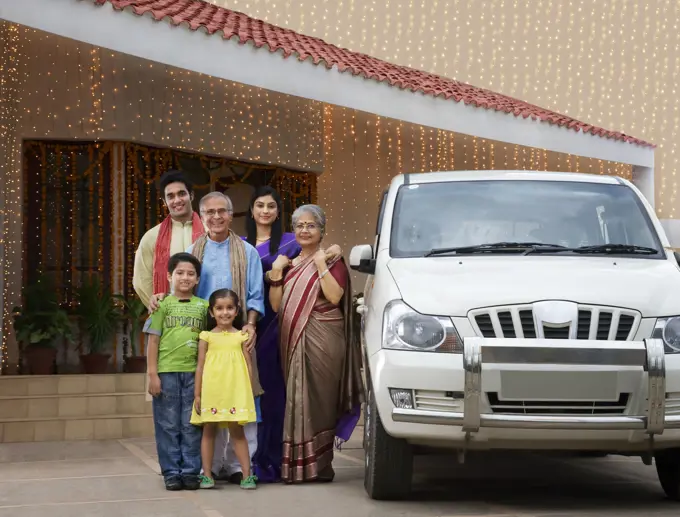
x,y
468,213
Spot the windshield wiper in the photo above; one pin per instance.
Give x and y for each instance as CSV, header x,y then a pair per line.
x,y
623,249
496,247
541,247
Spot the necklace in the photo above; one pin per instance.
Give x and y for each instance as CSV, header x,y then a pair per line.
x,y
301,258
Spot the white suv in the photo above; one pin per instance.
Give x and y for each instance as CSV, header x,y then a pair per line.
x,y
518,310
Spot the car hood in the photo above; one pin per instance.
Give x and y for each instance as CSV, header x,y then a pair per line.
x,y
452,286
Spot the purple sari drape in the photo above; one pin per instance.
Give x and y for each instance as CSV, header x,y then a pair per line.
x,y
267,459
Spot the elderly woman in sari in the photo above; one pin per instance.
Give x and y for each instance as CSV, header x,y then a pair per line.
x,y
265,232
319,355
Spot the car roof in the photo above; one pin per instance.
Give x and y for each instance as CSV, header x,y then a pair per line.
x,y
507,175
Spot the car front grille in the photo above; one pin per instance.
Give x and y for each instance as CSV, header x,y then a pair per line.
x,y
594,323
445,401
552,407
673,403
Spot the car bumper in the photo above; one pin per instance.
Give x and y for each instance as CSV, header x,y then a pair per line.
x,y
451,401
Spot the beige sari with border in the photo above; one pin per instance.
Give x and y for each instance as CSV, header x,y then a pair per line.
x,y
321,366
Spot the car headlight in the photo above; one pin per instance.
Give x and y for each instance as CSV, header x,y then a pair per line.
x,y
406,329
668,330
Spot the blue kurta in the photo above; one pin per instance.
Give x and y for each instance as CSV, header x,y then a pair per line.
x,y
216,273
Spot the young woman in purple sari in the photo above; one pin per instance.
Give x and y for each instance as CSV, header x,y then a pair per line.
x,y
265,232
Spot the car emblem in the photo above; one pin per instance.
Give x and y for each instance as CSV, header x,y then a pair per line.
x,y
556,315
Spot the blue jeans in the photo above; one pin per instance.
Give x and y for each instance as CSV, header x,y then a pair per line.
x,y
178,442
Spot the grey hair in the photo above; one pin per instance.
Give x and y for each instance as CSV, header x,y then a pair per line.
x,y
216,195
315,211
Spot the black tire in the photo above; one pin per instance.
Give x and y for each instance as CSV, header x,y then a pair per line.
x,y
668,469
389,460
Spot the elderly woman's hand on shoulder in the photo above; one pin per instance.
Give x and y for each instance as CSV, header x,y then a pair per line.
x,y
281,263
333,252
320,258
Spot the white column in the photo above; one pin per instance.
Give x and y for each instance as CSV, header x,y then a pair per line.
x,y
643,179
672,229
118,239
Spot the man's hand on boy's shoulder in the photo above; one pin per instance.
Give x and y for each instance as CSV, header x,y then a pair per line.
x,y
155,301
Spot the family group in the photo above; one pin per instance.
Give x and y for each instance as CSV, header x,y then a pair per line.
x,y
251,359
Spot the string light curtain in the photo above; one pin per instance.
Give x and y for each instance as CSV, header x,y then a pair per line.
x,y
364,152
58,89
146,164
611,63
11,90
68,214
73,91
70,208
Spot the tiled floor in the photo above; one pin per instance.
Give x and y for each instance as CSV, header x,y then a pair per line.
x,y
110,478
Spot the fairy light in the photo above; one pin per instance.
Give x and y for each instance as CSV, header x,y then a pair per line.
x,y
11,89
567,57
83,92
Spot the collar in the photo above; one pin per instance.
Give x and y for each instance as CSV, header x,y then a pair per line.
x,y
190,222
218,244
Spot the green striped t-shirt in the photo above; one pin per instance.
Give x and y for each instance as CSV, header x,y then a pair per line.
x,y
178,323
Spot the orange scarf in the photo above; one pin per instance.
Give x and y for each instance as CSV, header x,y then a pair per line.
x,y
162,252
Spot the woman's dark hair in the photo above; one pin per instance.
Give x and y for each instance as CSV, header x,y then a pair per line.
x,y
178,258
174,176
277,226
218,295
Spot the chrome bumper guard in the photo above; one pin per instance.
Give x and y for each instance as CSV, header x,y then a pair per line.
x,y
649,355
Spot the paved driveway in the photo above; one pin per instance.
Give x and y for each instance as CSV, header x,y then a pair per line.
x,y
121,477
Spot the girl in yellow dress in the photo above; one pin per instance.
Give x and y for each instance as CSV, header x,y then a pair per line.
x,y
223,392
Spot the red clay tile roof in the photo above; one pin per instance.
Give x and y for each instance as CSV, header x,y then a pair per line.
x,y
197,14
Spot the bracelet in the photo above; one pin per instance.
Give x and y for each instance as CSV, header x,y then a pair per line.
x,y
321,275
274,283
268,276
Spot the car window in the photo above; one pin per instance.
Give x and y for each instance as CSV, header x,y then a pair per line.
x,y
470,213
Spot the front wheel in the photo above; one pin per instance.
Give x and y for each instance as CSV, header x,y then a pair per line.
x,y
668,470
389,460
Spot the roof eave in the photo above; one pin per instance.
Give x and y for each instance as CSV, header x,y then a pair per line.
x,y
232,60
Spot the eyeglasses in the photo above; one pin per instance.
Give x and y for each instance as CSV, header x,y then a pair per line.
x,y
213,212
309,227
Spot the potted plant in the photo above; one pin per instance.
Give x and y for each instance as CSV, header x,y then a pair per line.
x,y
98,316
134,315
38,323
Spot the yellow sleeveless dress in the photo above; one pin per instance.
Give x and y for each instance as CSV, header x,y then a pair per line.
x,y
226,393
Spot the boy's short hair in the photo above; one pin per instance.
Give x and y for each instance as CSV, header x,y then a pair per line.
x,y
177,258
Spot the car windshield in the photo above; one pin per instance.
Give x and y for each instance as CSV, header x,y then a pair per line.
x,y
462,214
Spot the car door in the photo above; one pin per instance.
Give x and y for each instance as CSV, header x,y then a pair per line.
x,y
368,287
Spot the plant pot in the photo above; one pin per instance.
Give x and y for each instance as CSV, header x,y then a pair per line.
x,y
40,359
135,364
95,363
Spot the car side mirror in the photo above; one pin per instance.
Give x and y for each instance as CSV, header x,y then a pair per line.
x,y
361,259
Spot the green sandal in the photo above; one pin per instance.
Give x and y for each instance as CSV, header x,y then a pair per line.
x,y
249,483
206,482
